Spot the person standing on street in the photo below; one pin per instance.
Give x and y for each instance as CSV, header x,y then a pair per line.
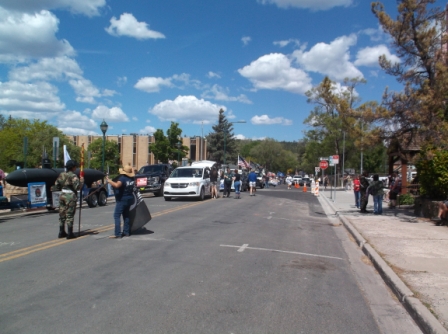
x,y
266,181
2,178
289,181
252,182
237,183
213,182
363,189
356,191
124,196
377,192
69,183
228,175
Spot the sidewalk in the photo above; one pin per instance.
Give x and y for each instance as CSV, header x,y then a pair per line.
x,y
404,249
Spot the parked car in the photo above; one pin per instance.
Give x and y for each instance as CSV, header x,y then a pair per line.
x,y
305,180
151,178
189,181
296,179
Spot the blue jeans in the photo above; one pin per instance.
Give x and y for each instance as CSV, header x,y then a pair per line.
x,y
357,199
237,185
378,204
266,184
122,209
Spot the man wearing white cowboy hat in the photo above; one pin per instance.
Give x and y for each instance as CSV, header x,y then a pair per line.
x,y
124,199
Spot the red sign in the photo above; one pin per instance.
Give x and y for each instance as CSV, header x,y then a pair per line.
x,y
323,164
141,182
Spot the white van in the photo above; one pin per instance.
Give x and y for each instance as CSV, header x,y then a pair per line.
x,y
189,181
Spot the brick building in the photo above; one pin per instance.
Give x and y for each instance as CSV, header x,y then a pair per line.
x,y
134,149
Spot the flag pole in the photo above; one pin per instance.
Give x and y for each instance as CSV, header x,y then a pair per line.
x,y
81,175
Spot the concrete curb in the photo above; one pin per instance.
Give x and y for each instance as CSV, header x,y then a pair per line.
x,y
427,322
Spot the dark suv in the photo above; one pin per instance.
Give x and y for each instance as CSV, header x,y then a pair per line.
x,y
151,178
305,180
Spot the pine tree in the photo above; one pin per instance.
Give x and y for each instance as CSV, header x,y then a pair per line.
x,y
419,39
222,143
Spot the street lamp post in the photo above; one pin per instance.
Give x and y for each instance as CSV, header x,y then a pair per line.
x,y
103,128
178,152
225,135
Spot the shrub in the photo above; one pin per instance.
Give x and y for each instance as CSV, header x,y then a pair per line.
x,y
406,199
432,168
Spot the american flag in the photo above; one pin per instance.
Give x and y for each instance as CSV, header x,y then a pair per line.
x,y
242,163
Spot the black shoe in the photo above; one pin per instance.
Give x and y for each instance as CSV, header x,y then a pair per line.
x,y
62,233
70,234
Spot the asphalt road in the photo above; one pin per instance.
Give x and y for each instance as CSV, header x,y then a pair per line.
x,y
273,263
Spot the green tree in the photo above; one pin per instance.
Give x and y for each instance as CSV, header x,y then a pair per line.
x,y
166,148
267,153
418,39
39,140
111,156
335,125
221,136
245,146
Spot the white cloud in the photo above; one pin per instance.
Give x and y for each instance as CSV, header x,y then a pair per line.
x,y
152,84
211,74
148,130
369,56
240,136
375,34
217,92
86,7
30,100
114,114
60,69
284,43
309,4
188,109
73,122
330,59
266,120
121,81
127,25
246,40
274,71
25,36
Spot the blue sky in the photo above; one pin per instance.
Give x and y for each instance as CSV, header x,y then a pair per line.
x,y
140,64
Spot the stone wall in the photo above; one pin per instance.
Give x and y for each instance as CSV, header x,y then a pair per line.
x,y
426,208
9,190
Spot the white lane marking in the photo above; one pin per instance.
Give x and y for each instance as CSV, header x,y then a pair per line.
x,y
12,243
245,246
242,248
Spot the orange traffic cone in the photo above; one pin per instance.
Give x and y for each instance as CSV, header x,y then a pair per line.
x,y
297,185
304,187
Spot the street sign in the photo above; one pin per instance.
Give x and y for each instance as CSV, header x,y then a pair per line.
x,y
323,158
316,169
323,164
336,159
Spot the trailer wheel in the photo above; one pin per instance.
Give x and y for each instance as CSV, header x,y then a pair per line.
x,y
92,200
102,198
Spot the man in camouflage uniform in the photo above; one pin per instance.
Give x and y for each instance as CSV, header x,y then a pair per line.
x,y
69,183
